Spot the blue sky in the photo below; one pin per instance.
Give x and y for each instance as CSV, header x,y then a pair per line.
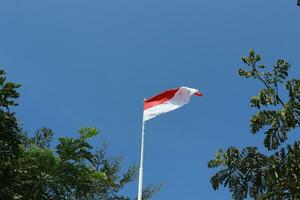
x,y
91,63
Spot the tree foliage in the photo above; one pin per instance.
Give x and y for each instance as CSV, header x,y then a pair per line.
x,y
31,170
249,173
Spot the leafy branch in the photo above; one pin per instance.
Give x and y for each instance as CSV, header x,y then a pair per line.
x,y
280,121
249,173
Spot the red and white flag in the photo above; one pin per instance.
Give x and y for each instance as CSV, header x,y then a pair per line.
x,y
168,101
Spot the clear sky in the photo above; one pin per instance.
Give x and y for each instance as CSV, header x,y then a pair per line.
x,y
92,62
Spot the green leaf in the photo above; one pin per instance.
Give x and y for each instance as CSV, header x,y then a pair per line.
x,y
87,133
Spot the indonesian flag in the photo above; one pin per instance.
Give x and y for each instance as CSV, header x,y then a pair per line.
x,y
168,101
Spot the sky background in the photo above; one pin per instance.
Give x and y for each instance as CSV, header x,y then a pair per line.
x,y
90,63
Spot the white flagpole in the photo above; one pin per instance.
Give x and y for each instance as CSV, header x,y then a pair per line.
x,y
141,162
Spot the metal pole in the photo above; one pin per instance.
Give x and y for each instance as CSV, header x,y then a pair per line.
x,y
140,191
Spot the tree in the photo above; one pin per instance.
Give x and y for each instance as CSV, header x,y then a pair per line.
x,y
9,132
248,172
30,169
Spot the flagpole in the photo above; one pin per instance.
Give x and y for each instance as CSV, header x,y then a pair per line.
x,y
140,190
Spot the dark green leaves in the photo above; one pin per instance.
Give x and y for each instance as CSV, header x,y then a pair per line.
x,y
10,135
8,92
76,150
248,173
280,71
235,168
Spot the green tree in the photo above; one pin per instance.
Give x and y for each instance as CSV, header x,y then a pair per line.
x,y
9,132
275,175
31,170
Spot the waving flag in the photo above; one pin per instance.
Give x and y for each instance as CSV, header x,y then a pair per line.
x,y
168,101
159,104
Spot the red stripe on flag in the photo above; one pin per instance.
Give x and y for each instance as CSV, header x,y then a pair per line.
x,y
199,94
160,98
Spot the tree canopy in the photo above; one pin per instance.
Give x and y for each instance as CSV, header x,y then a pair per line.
x,y
30,168
275,175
